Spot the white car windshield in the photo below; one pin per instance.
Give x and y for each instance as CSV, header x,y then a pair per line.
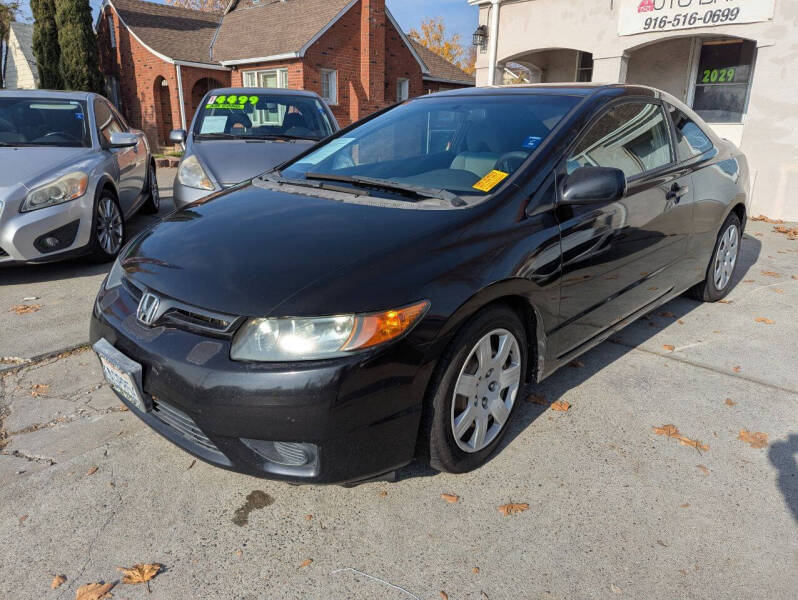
x,y
30,121
461,144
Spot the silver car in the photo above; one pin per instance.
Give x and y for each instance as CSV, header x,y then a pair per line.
x,y
239,133
71,172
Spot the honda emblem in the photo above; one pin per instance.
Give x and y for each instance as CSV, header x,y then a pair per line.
x,y
149,306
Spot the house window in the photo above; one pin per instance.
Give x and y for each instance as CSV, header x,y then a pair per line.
x,y
270,78
329,86
111,31
402,89
584,66
723,80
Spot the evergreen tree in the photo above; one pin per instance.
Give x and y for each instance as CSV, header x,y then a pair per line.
x,y
80,62
45,44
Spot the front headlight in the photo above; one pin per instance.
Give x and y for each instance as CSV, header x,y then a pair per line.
x,y
191,174
66,188
291,339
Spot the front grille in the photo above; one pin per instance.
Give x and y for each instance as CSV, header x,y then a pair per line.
x,y
185,426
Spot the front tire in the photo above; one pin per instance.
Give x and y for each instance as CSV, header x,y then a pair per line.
x,y
475,391
107,229
720,272
152,204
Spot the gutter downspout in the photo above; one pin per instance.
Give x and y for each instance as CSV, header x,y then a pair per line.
x,y
180,98
494,41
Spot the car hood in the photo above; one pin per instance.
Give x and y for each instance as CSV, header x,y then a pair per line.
x,y
253,251
27,164
234,161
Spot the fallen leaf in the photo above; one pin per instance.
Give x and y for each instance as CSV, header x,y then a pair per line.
x,y
669,347
667,314
756,439
777,290
443,595
767,219
576,364
680,322
23,518
794,276
615,589
667,430
670,431
723,301
25,309
475,570
92,471
561,406
730,402
685,505
513,509
450,498
308,517
737,369
94,591
704,470
790,232
661,543
139,573
686,441
764,320
749,280
39,389
193,462
383,494
239,552
771,274
537,399
306,563
58,581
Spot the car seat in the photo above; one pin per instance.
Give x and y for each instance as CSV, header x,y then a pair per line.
x,y
483,148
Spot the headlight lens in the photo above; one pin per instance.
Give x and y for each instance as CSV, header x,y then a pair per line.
x,y
115,275
66,188
285,340
191,174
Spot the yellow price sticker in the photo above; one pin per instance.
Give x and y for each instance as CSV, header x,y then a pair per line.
x,y
490,181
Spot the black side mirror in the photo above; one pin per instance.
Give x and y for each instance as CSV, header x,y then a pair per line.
x,y
593,185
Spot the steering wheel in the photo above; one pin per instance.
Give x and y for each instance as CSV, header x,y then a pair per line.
x,y
510,162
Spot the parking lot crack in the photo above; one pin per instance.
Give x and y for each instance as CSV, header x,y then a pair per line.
x,y
30,457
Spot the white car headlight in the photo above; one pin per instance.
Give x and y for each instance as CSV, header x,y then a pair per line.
x,y
293,339
66,188
191,174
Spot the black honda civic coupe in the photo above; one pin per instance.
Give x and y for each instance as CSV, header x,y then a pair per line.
x,y
394,291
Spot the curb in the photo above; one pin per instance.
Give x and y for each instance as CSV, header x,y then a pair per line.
x,y
43,357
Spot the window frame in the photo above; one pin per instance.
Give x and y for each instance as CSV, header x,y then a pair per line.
x,y
603,110
281,72
333,100
405,83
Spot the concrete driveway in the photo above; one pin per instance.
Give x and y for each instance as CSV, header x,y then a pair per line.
x,y
615,510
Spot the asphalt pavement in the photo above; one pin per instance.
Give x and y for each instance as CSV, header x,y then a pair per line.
x,y
616,509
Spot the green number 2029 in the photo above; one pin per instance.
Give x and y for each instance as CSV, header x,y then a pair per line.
x,y
718,75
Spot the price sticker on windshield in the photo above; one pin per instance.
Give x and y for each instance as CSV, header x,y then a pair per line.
x,y
490,181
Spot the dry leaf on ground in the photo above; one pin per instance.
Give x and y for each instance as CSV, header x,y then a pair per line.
x,y
450,498
383,494
193,462
537,399
58,581
39,389
306,563
671,431
764,320
94,591
724,301
25,309
777,290
443,595
615,589
667,430
704,470
685,505
669,347
794,276
308,517
767,220
730,402
140,573
513,509
475,570
737,369
756,439
790,232
667,314
771,274
92,471
561,406
686,441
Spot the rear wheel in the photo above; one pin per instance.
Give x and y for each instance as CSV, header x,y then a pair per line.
x,y
108,229
153,202
476,390
718,281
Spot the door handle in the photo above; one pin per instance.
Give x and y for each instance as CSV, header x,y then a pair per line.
x,y
677,191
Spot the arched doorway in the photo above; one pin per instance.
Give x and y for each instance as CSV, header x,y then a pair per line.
x,y
548,65
163,110
202,87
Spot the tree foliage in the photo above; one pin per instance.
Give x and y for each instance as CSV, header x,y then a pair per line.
x,y
80,62
45,44
434,36
8,12
206,5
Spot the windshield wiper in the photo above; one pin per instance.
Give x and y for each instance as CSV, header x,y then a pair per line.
x,y
405,189
280,180
217,136
280,136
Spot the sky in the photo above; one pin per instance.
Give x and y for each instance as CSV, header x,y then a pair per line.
x,y
458,15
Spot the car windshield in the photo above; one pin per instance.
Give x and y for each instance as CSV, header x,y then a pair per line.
x,y
270,116
43,122
466,145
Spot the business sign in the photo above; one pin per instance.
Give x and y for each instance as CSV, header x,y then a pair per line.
x,y
645,16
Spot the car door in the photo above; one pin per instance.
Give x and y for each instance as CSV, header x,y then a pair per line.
x,y
619,257
126,159
141,151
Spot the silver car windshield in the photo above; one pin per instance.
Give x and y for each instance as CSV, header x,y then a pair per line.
x,y
262,116
43,122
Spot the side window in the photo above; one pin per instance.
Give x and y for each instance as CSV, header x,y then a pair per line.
x,y
632,137
690,139
107,123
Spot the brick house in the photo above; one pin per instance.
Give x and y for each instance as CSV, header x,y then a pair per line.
x,y
160,60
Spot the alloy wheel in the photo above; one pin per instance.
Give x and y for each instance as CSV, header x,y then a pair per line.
x,y
109,226
485,391
726,257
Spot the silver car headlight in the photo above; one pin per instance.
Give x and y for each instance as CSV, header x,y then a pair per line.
x,y
314,338
191,174
65,188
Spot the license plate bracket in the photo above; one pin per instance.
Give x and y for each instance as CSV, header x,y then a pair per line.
x,y
123,374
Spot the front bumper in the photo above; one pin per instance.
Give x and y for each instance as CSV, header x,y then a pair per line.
x,y
356,418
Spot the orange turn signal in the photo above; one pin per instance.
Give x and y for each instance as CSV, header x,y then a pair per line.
x,y
372,330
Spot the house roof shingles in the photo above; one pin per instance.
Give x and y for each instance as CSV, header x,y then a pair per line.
x,y
179,33
440,68
256,30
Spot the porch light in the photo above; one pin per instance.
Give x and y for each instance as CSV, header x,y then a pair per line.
x,y
480,38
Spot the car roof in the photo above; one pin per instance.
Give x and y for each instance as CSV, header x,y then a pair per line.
x,y
257,90
51,94
552,89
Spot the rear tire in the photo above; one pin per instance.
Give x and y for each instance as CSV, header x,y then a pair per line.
x,y
720,271
475,391
107,229
152,204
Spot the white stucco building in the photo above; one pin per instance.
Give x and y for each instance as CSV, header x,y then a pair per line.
x,y
735,62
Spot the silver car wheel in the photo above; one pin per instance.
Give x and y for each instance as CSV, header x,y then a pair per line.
x,y
109,226
154,193
485,391
726,257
